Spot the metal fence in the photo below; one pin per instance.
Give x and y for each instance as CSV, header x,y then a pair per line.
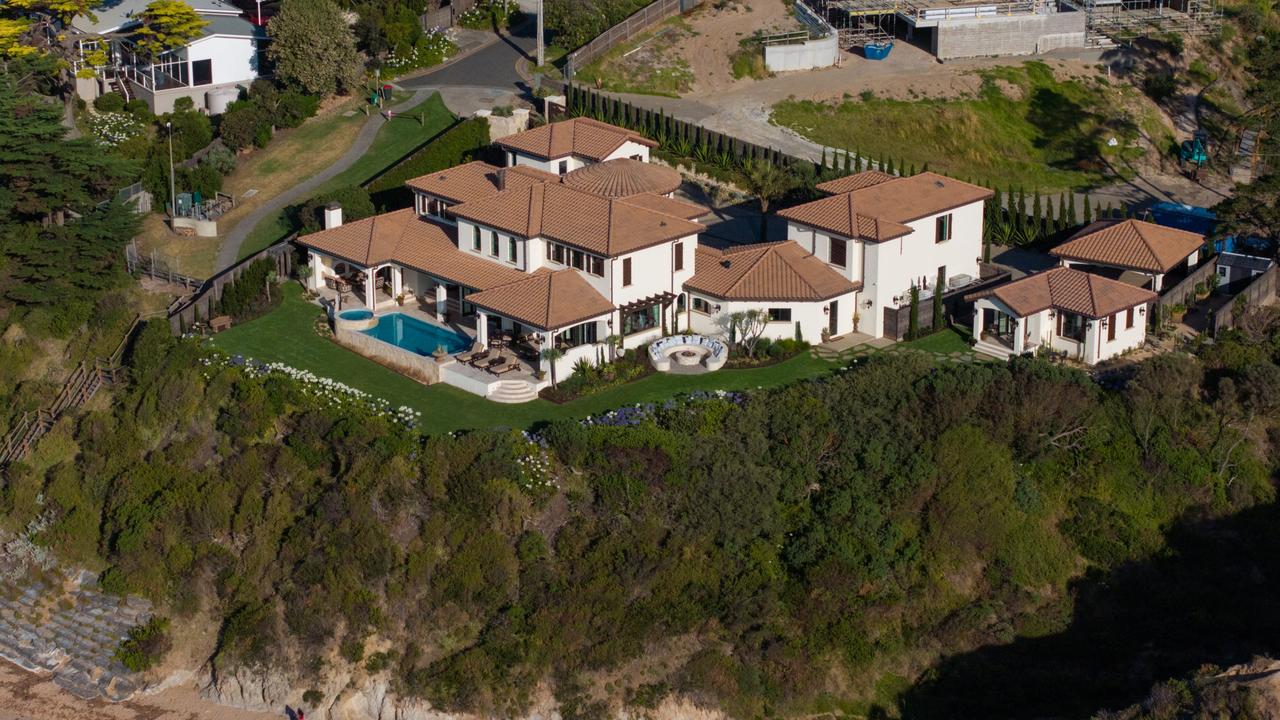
x,y
639,21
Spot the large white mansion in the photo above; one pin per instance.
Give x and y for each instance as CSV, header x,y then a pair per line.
x,y
579,238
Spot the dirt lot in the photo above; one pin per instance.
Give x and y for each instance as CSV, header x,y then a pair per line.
x,y
719,29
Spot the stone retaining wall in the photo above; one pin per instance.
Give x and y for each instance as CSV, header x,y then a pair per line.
x,y
422,368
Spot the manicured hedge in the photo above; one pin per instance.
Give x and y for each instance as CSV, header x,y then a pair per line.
x,y
460,144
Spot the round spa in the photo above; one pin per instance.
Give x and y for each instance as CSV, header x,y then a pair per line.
x,y
357,319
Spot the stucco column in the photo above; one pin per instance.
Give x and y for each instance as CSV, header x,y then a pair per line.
x,y
548,341
482,328
977,321
1193,259
1157,282
397,280
316,281
1019,346
369,291
442,301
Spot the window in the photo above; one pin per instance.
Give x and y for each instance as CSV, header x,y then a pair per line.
x,y
475,238
202,72
1128,319
557,253
701,305
579,260
626,272
640,320
493,245
779,314
1111,327
511,249
679,257
564,166
577,335
944,228
597,266
1071,326
839,252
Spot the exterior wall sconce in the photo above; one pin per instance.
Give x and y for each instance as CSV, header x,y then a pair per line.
x,y
1053,314
1104,323
867,303
1142,310
826,309
716,307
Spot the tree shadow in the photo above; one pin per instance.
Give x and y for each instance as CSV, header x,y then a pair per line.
x,y
1209,597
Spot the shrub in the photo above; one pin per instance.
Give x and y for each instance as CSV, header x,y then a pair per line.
x,y
1159,86
146,645
221,159
139,109
748,61
109,102
355,204
295,107
240,125
457,145
246,298
203,179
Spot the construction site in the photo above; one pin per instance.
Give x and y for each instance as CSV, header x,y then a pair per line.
x,y
962,28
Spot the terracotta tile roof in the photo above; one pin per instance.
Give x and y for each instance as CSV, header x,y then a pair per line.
x,y
1130,244
604,226
894,202
545,299
624,177
856,181
845,216
779,271
1067,289
404,238
477,180
583,137
669,206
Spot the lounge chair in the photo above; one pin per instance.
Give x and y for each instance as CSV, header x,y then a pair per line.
x,y
478,358
504,368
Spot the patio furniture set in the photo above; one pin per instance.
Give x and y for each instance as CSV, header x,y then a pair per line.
x,y
487,360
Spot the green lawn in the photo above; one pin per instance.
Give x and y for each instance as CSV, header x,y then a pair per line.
x,y
943,342
286,336
395,139
1023,128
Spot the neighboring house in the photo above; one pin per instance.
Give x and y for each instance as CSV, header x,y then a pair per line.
x,y
1140,253
604,250
1236,271
563,147
798,293
888,234
209,70
1088,317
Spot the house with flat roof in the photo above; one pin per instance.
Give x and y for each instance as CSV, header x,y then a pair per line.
x,y
603,256
1134,251
1085,316
210,69
889,234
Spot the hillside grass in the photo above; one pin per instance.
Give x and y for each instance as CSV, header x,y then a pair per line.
x,y
287,335
1024,128
397,138
647,65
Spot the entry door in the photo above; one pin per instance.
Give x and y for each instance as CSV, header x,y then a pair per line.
x,y
834,321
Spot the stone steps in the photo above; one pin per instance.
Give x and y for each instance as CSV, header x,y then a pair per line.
x,y
513,391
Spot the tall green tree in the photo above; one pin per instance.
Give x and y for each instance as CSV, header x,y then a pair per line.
x,y
313,48
939,316
1254,210
767,182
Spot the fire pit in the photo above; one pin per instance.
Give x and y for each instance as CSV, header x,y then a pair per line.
x,y
687,357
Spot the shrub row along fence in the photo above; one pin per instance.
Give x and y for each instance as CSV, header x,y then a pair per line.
x,y
202,304
1263,288
639,21
1184,293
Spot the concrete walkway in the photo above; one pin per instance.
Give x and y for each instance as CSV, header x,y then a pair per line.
x,y
229,252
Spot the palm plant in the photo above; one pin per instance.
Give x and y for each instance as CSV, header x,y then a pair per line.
x,y
551,355
767,182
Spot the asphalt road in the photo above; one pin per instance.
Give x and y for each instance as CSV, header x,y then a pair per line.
x,y
491,67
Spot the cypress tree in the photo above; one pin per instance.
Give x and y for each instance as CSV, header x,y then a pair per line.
x,y
1071,210
822,164
881,164
1037,210
913,324
1109,212
913,168
891,170
1062,212
938,319
926,167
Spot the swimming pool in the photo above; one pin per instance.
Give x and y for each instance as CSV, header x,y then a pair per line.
x,y
413,335
356,314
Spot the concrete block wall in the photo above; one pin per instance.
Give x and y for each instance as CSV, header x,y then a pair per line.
x,y
1008,35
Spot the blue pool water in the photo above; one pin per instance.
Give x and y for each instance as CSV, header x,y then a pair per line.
x,y
416,336
355,314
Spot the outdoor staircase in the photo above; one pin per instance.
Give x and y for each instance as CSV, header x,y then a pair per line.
x,y
995,350
513,391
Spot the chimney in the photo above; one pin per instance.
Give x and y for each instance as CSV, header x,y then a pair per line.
x,y
502,178
332,215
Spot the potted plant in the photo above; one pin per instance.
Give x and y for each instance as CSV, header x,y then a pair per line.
x,y
1176,312
440,354
857,318
1202,291
400,298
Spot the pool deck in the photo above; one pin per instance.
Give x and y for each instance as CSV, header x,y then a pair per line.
x,y
515,386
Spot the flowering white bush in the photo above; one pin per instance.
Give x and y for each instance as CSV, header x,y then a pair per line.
x,y
534,463
20,553
484,14
331,392
433,48
113,128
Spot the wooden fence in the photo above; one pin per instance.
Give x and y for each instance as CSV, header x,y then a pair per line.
x,y
1257,292
445,17
636,23
85,381
898,320
204,302
1184,293
157,268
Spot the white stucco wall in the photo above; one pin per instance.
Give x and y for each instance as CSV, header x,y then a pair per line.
x,y
810,315
625,150
1040,329
466,244
818,242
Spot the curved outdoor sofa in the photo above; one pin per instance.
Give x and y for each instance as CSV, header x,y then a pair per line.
x,y
712,353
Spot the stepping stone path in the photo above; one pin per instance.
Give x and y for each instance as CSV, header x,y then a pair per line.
x,y
71,631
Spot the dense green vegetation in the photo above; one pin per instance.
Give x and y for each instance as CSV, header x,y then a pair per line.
x,y
1024,127
778,550
462,143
